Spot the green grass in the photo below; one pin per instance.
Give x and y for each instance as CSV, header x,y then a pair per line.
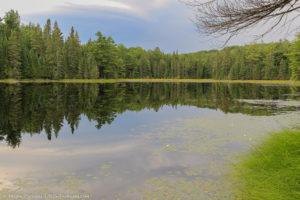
x,y
272,170
264,82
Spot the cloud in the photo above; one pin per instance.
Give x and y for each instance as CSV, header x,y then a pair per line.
x,y
34,7
163,23
146,23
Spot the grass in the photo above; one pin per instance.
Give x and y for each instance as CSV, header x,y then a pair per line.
x,y
264,82
272,170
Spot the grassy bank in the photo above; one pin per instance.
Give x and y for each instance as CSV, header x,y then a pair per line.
x,y
272,170
265,82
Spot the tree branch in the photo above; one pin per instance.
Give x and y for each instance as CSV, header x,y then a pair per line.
x,y
233,16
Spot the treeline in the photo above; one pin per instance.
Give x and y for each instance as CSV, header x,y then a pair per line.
x,y
31,52
35,52
46,108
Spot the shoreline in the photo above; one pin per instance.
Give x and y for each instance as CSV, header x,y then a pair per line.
x,y
80,81
269,170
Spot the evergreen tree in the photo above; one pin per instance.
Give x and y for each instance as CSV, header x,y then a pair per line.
x,y
57,44
13,63
3,46
295,59
72,55
29,51
12,22
88,67
36,53
48,51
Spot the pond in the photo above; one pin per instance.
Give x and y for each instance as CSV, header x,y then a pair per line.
x,y
133,140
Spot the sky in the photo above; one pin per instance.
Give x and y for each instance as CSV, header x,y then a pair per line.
x,y
167,24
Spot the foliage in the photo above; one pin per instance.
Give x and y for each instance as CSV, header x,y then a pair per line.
x,y
295,59
32,52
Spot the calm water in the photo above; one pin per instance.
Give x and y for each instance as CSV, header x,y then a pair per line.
x,y
133,141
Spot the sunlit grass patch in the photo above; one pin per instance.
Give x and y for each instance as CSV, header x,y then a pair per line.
x,y
272,170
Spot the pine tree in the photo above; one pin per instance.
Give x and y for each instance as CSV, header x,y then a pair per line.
x,y
87,66
57,43
36,53
3,46
12,22
13,57
11,45
72,55
49,52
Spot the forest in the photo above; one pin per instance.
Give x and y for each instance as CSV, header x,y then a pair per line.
x,y
34,52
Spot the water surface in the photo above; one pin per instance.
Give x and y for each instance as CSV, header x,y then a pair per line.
x,y
133,140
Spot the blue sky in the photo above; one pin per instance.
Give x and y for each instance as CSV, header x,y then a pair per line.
x,y
164,23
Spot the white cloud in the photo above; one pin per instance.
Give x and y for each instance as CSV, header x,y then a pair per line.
x,y
29,7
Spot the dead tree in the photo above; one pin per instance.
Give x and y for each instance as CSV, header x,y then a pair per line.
x,y
233,16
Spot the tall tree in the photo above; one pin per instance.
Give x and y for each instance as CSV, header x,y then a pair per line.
x,y
49,54
36,53
106,54
295,59
57,45
12,69
88,68
12,22
3,46
72,55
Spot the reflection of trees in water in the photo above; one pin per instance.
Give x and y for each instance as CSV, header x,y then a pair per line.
x,y
33,108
